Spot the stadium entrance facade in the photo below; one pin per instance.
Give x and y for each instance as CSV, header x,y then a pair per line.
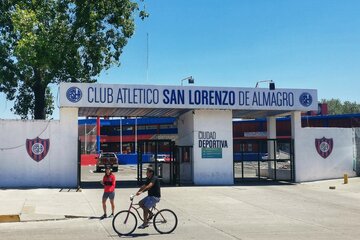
x,y
47,150
204,120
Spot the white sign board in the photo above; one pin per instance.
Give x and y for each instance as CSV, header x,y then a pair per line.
x,y
185,97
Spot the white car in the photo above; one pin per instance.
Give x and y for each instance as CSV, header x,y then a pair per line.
x,y
266,156
161,157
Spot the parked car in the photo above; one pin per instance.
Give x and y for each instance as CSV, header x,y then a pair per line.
x,y
266,157
107,159
161,157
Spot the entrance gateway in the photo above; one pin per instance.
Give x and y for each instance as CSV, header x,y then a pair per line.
x,y
204,116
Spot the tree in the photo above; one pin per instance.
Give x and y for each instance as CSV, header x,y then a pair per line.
x,y
351,107
46,42
335,106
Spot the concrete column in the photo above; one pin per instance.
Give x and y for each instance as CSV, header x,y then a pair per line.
x,y
295,123
210,134
271,134
213,164
185,137
295,134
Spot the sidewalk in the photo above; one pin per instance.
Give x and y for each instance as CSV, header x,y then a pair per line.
x,y
303,211
43,204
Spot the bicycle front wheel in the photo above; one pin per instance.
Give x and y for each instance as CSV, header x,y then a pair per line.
x,y
165,221
124,222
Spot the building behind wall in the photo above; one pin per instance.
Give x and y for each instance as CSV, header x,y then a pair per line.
x,y
257,128
166,128
119,135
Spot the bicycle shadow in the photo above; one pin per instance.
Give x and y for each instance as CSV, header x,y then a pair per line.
x,y
133,235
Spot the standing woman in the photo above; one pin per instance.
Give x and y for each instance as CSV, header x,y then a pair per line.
x,y
109,182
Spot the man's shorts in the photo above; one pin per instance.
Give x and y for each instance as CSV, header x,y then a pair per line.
x,y
149,201
110,195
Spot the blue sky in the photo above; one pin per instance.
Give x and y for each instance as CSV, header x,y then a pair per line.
x,y
311,44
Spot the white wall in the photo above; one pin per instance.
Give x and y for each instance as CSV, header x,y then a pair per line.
x,y
57,169
310,166
213,171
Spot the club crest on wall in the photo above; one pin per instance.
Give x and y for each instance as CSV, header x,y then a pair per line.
x,y
37,148
324,146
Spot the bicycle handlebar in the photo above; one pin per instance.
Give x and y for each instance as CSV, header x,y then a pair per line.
x,y
132,196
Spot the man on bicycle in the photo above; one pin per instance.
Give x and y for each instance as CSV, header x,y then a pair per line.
x,y
152,185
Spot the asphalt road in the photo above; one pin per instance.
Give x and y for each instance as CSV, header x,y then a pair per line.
x,y
247,212
125,172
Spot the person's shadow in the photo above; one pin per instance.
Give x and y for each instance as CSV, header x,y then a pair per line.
x,y
93,217
99,218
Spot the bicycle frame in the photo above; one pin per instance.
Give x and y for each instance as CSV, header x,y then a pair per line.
x,y
132,206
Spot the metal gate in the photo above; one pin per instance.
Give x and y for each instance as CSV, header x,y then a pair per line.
x,y
264,159
184,160
159,155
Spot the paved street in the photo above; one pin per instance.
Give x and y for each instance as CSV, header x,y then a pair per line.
x,y
302,211
125,173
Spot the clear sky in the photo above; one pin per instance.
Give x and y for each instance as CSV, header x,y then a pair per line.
x,y
309,44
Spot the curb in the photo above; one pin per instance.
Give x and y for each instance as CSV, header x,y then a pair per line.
x,y
40,217
9,218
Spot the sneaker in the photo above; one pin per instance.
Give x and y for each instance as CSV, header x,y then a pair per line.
x,y
111,215
142,226
103,216
150,215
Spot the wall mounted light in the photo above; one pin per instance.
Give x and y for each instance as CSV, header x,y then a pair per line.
x,y
271,84
190,80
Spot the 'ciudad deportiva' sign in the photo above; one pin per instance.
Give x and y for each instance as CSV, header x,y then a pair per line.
x,y
151,96
211,146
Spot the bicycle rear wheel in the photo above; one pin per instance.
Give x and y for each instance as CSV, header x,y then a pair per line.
x,y
165,221
124,222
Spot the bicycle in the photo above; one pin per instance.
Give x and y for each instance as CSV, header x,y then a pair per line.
x,y
125,222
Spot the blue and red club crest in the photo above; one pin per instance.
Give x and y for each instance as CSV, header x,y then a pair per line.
x,y
324,146
37,148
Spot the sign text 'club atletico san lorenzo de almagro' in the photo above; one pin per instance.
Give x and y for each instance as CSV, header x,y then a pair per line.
x,y
192,97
